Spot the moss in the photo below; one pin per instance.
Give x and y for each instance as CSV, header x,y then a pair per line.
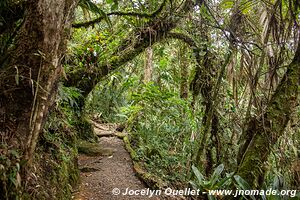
x,y
253,157
55,170
85,128
54,174
93,149
129,148
65,175
269,128
121,135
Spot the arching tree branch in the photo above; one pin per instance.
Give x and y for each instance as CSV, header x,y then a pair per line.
x,y
189,41
120,13
154,31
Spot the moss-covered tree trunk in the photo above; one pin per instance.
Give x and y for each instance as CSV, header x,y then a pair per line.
x,y
184,72
28,85
266,130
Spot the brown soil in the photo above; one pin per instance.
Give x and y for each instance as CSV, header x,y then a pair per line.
x,y
101,174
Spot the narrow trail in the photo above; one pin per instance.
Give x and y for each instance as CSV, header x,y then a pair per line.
x,y
100,175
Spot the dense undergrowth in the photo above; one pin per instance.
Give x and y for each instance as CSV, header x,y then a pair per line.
x,y
54,170
193,93
162,129
162,125
55,173
165,129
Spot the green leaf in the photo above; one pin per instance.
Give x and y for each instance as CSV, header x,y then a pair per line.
x,y
243,185
114,6
210,197
216,174
90,6
227,4
198,174
14,153
223,182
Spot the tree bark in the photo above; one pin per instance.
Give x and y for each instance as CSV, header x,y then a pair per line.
x,y
148,68
29,76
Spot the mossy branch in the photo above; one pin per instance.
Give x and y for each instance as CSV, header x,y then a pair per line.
x,y
154,31
188,40
121,13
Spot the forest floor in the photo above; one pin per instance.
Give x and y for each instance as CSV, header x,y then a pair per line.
x,y
101,175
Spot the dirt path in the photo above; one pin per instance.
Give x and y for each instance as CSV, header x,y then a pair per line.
x,y
100,175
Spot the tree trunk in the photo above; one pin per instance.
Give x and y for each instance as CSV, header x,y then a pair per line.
x,y
148,68
184,72
29,77
266,130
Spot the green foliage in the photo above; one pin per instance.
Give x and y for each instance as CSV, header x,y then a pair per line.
x,y
71,106
68,108
243,185
68,98
219,182
10,163
56,162
109,96
92,7
161,125
215,182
